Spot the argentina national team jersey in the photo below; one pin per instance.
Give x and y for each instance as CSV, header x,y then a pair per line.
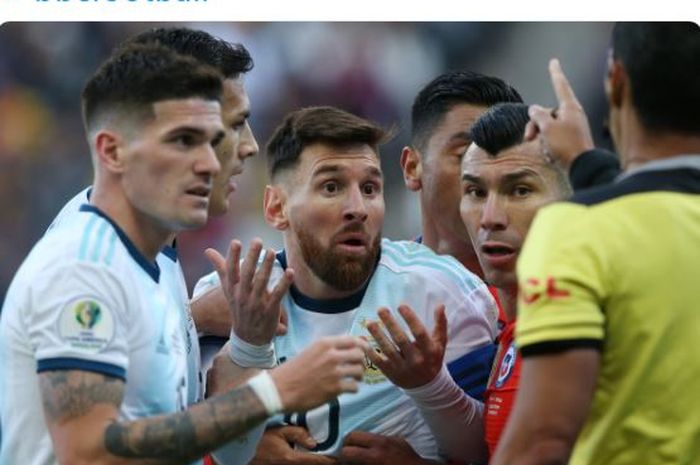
x,y
85,299
409,273
174,279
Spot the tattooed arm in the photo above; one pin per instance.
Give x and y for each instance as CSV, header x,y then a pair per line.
x,y
82,409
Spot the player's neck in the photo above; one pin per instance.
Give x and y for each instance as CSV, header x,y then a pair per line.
x,y
508,298
146,236
445,244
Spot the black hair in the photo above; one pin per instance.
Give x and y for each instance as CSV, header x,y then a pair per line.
x,y
502,126
327,125
139,75
662,61
230,59
439,96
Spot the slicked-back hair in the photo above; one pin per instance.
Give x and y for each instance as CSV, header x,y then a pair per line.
x,y
327,125
439,96
662,61
130,82
230,59
503,126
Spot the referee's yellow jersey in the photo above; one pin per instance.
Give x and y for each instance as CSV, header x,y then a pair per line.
x,y
617,268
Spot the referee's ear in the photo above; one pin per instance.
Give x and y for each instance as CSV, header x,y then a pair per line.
x,y
273,207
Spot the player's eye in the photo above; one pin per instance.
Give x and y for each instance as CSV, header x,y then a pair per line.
x,y
330,187
521,191
370,188
184,140
472,190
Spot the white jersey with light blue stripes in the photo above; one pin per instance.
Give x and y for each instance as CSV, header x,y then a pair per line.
x,y
173,277
409,273
86,299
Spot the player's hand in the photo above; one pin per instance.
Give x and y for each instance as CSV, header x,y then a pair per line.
x,y
212,315
254,309
564,133
324,370
361,448
408,364
277,448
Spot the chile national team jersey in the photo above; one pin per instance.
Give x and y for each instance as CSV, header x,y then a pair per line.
x,y
502,387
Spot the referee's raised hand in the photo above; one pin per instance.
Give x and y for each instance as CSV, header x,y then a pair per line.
x,y
564,132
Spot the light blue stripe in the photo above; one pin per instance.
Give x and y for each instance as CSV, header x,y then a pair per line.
x,y
417,251
430,263
97,247
110,248
87,234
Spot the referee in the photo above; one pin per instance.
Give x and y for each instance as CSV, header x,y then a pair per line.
x,y
609,310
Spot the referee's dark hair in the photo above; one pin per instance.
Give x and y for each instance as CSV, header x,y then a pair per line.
x,y
662,61
230,59
440,95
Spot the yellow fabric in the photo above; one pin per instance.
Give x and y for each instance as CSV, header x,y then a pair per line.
x,y
625,271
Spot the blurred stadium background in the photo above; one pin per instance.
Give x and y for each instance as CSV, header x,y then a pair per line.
x,y
372,69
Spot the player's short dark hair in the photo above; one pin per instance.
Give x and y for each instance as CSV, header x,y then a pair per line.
x,y
138,76
439,96
662,61
327,125
503,126
230,59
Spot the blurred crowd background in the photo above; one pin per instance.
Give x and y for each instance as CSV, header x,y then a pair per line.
x,y
372,69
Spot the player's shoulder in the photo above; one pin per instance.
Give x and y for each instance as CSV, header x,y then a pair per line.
x,y
71,209
421,261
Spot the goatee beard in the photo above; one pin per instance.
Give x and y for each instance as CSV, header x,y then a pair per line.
x,y
341,272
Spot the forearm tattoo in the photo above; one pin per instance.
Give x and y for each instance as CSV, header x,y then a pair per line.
x,y
180,437
189,434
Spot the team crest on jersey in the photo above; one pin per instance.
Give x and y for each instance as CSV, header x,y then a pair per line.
x,y
86,324
372,374
506,367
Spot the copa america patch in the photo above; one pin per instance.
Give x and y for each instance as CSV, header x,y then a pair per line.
x,y
506,367
86,324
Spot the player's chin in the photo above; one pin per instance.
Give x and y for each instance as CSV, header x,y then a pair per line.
x,y
218,205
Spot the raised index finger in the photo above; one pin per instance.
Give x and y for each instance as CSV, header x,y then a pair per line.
x,y
562,88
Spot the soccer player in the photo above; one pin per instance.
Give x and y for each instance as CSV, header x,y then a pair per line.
x,y
326,198
441,116
505,180
608,317
90,332
232,61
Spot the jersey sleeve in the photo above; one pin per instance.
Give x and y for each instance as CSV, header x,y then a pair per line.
x,y
79,320
205,284
472,321
561,272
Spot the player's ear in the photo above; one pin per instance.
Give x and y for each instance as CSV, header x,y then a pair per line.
x,y
274,207
109,150
412,168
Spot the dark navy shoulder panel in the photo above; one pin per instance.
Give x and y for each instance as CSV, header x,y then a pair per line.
x,y
681,180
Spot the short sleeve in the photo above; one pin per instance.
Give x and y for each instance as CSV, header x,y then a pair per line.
x,y
561,272
205,284
79,320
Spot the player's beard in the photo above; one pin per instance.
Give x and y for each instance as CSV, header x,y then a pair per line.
x,y
340,271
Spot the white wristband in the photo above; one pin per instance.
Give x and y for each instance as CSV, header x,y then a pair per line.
x,y
247,355
266,390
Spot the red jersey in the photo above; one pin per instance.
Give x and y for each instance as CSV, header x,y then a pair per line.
x,y
502,386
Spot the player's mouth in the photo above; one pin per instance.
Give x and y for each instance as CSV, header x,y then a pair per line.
x,y
499,254
353,243
200,191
